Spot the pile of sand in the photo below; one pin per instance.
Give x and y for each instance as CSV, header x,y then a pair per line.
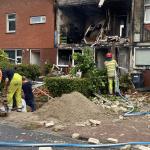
x,y
72,107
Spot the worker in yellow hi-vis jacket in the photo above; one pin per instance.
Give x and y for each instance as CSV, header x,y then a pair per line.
x,y
13,86
110,65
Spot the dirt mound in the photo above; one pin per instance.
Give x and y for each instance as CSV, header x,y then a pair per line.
x,y
72,107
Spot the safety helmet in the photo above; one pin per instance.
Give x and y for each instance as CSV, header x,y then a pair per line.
x,y
109,55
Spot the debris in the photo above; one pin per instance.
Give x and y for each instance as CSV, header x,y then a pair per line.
x,y
3,114
141,147
112,140
87,123
94,122
102,98
127,147
121,117
58,128
49,124
93,141
101,2
45,148
115,108
80,124
75,135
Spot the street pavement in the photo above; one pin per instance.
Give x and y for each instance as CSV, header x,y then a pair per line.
x,y
12,134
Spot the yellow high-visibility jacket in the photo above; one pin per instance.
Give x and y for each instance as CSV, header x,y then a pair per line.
x,y
111,67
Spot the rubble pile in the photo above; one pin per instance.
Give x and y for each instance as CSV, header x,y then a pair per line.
x,y
136,102
40,91
73,107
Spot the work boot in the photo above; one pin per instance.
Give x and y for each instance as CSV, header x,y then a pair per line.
x,y
9,109
19,109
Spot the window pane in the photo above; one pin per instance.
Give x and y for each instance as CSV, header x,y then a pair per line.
x,y
37,19
147,13
19,60
142,56
11,54
19,52
147,2
12,25
12,16
64,57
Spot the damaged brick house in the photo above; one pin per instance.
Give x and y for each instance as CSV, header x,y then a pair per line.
x,y
27,30
103,24
141,39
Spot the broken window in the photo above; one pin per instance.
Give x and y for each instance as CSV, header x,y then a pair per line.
x,y
147,11
64,57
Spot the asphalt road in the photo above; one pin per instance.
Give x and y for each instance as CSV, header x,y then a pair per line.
x,y
11,134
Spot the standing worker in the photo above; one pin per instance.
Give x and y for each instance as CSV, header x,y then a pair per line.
x,y
110,65
13,87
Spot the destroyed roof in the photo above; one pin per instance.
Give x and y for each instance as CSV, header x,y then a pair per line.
x,y
76,2
62,3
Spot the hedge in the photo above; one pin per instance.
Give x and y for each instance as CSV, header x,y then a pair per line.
x,y
30,71
58,86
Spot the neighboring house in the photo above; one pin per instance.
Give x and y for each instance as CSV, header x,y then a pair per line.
x,y
27,30
141,34
104,24
141,39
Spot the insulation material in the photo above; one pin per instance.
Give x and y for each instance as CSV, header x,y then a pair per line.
x,y
101,2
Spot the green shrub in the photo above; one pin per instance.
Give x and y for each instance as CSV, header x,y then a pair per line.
x,y
125,82
98,79
4,62
58,86
47,68
84,62
30,71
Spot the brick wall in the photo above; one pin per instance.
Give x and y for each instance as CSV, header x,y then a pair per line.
x,y
26,35
147,27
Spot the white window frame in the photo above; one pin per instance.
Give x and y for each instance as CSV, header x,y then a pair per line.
x,y
7,23
16,56
72,63
134,59
42,19
145,14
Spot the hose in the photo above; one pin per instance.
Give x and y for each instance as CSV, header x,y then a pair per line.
x,y
26,144
130,104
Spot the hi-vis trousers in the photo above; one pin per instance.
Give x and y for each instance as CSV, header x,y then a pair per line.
x,y
110,84
15,87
